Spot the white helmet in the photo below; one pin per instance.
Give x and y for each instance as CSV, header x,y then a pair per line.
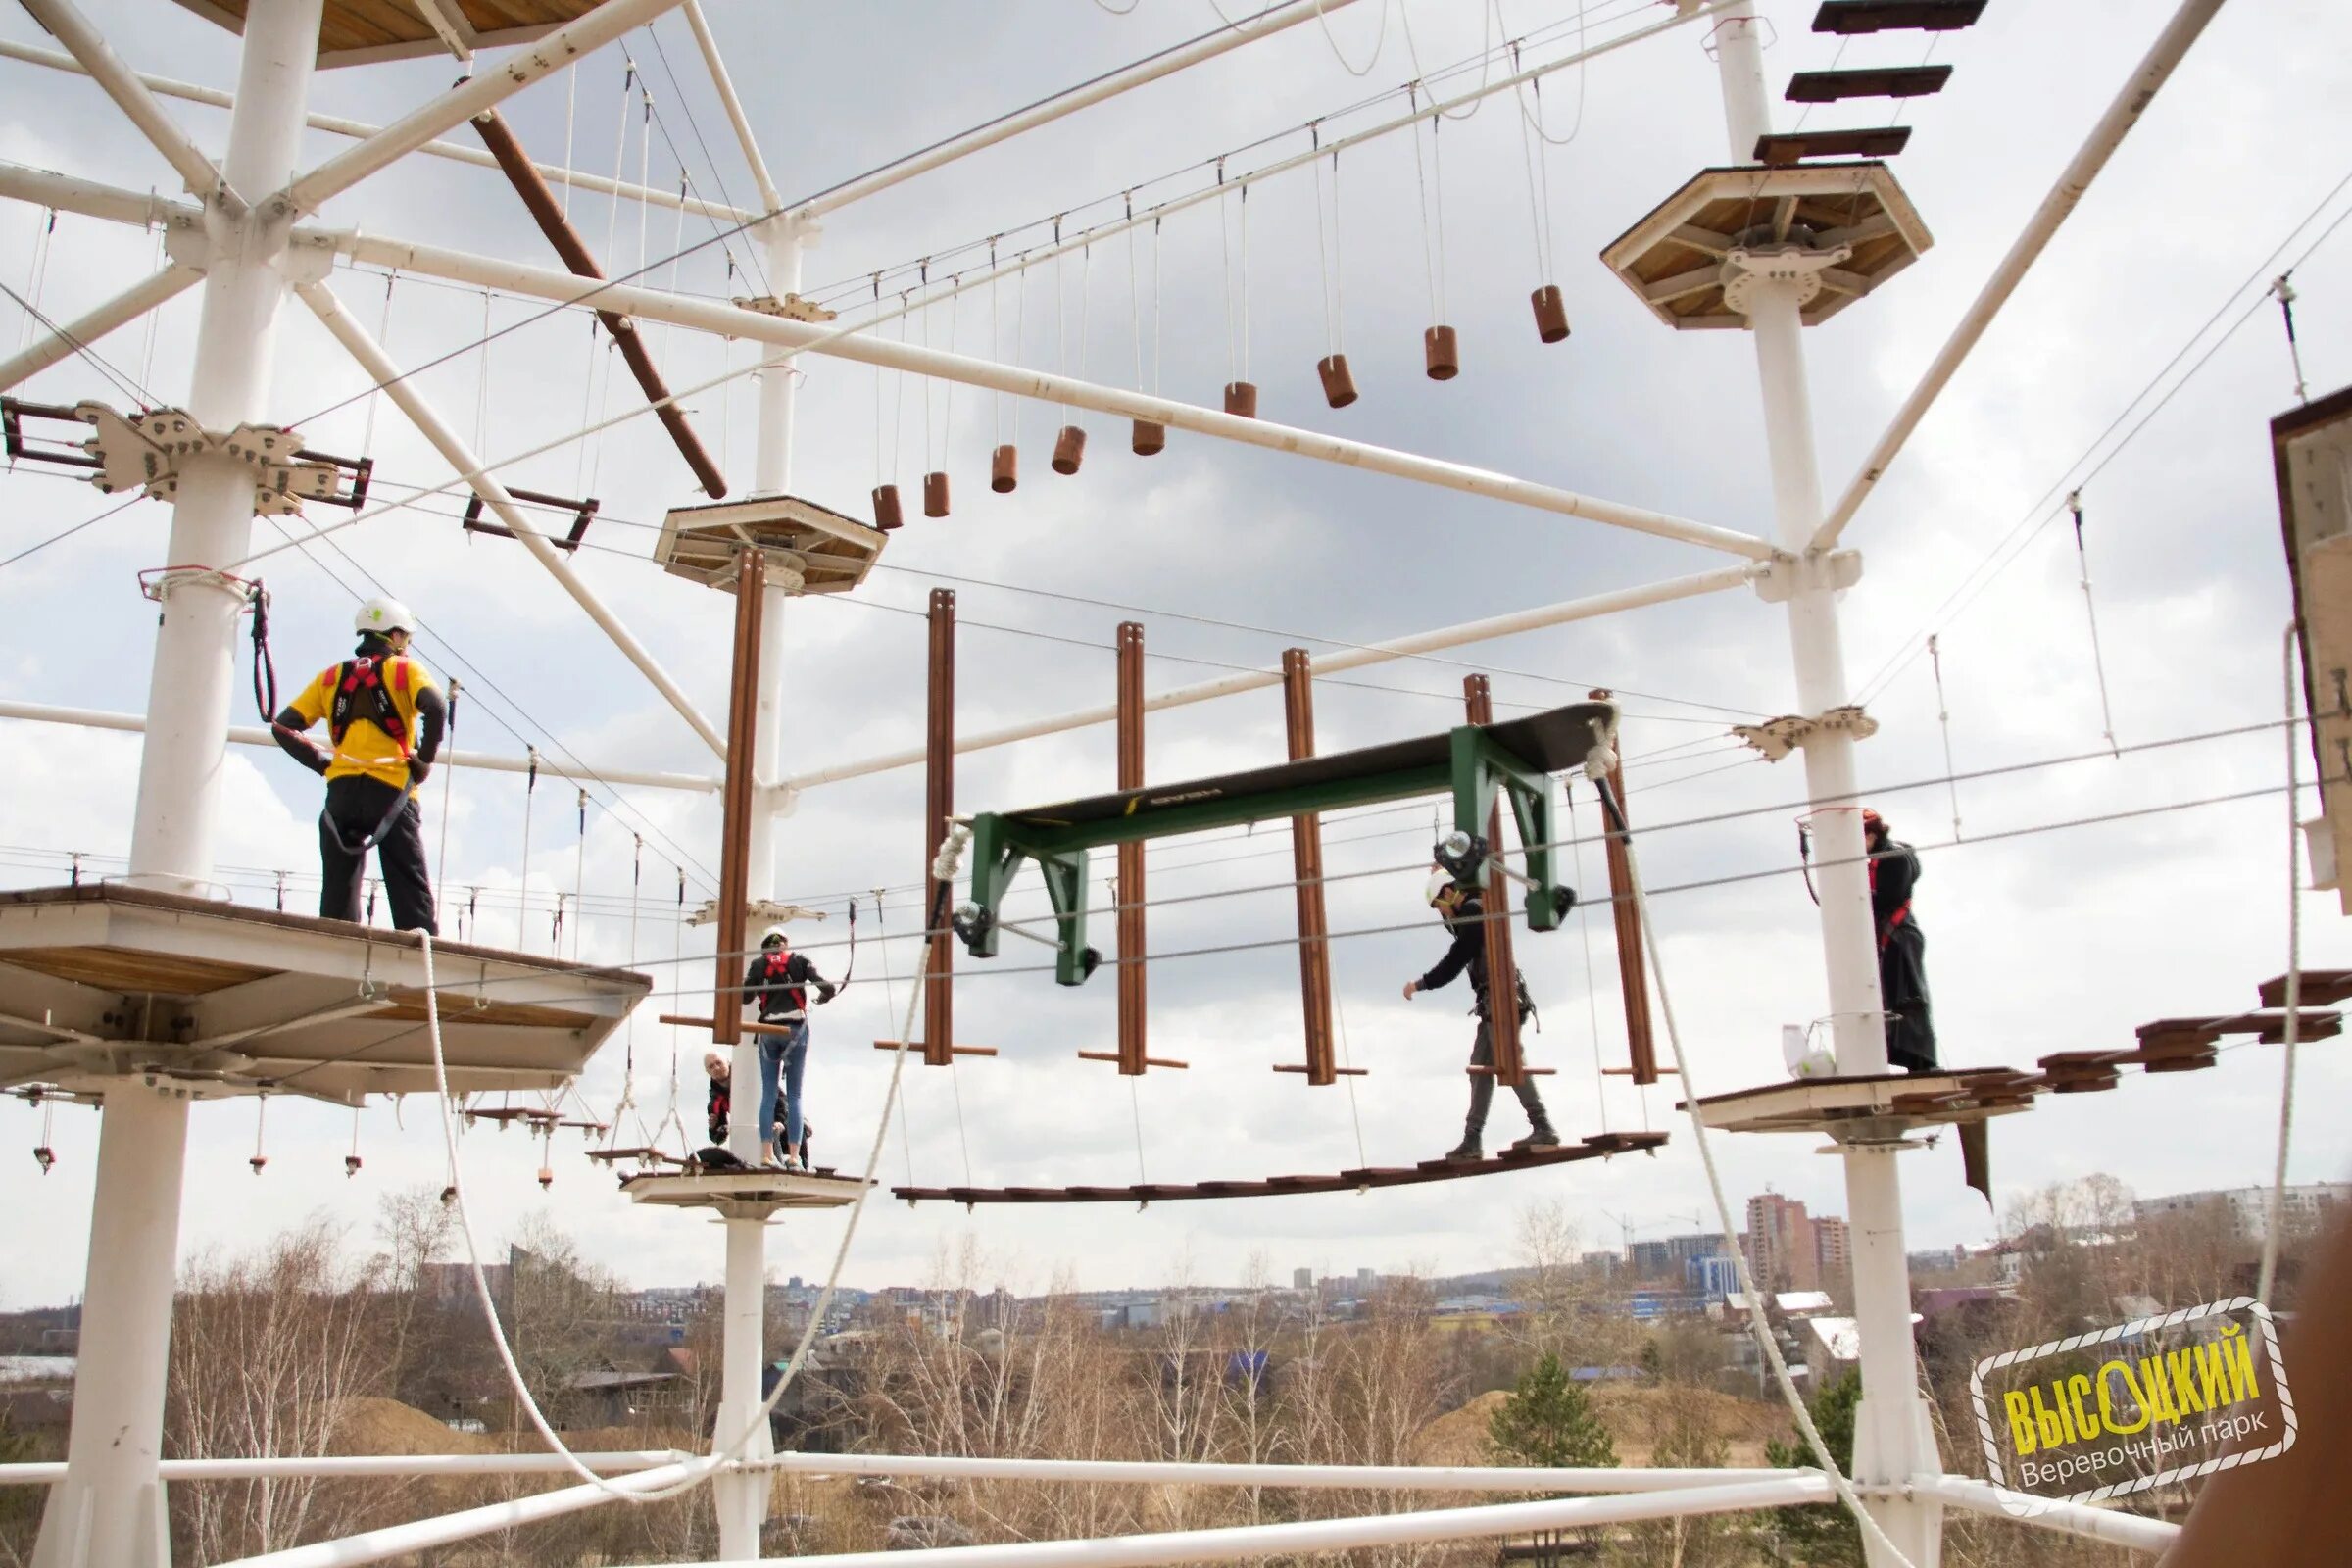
x,y
774,933
381,616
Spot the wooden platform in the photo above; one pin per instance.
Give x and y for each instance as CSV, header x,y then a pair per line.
x,y
1849,18
1599,1147
1884,1107
1781,149
740,1191
354,32
1877,81
100,981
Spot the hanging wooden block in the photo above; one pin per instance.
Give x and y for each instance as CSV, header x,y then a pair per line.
x,y
1149,437
1241,397
935,495
1069,449
1443,351
1338,385
1004,469
1551,314
887,513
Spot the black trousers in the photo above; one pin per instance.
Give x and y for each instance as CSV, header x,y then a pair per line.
x,y
356,805
1482,1088
1904,990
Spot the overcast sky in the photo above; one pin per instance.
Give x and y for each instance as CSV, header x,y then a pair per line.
x,y
2053,941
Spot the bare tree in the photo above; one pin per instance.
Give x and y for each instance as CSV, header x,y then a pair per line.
x,y
264,1348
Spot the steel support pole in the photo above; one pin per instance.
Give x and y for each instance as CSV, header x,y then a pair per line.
x,y
1893,1438
741,1498
109,1511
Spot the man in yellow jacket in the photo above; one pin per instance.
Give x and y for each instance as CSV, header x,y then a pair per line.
x,y
374,704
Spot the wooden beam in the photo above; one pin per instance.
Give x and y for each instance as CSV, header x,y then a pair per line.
x,y
1113,1056
1131,1058
957,1051
1307,865
1502,968
1632,974
735,819
939,803
543,209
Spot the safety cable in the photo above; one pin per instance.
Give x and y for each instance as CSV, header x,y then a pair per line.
x,y
1757,1323
2274,1206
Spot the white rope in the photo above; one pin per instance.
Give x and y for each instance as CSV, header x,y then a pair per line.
x,y
1135,1103
996,332
1245,226
947,395
383,339
155,318
1021,335
1233,367
1437,190
955,1083
579,876
1347,1059
929,382
572,116
1331,336
2090,616
1757,1324
1943,718
1086,275
1421,203
2275,1218
905,1120
1134,309
1486,50
1156,269
701,1469
37,277
1379,39
449,790
482,384
522,898
1543,137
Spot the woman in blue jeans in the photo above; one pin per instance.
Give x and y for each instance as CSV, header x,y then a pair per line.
x,y
777,984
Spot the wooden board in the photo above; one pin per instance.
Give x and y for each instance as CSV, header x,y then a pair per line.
x,y
1599,1147
354,31
133,971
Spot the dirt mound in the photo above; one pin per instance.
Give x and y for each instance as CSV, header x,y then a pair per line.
x,y
387,1426
1634,1415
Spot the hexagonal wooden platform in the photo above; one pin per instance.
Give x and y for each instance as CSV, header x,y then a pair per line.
x,y
102,981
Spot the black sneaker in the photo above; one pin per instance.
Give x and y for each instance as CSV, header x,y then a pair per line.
x,y
1468,1150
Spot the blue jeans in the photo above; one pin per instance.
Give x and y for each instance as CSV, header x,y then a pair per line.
x,y
790,1052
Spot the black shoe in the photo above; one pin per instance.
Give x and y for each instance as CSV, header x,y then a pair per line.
x,y
1468,1150
1537,1137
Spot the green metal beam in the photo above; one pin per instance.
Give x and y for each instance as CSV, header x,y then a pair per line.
x,y
1476,770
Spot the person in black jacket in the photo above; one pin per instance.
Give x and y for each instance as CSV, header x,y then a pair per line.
x,y
721,1103
777,983
1902,948
1464,914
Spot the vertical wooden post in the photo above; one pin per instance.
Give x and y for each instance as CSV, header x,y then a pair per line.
x,y
735,808
1306,863
1502,970
1633,973
1131,1058
939,803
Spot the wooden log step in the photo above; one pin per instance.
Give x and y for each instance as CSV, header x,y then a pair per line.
x,y
1882,81
1786,148
1846,18
2321,988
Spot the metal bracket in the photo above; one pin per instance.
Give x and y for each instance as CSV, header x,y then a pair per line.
x,y
791,307
1776,738
1746,267
582,513
1789,575
148,451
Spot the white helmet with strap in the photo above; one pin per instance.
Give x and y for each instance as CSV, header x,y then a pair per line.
x,y
775,934
383,617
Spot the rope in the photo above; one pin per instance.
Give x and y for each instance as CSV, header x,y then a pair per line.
x,y
627,1103
522,906
1943,718
1135,1105
1331,330
1379,39
36,278
1245,227
1347,1059
698,1470
1421,201
906,1121
955,1082
1437,188
2091,614
1233,368
383,339
1135,300
1758,1326
579,873
1156,267
449,781
1086,276
2275,1217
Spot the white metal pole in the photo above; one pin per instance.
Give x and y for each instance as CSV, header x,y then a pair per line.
x,y
1892,1437
2131,102
73,30
740,1498
1303,1537
451,756
94,323
854,343
109,1508
402,392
